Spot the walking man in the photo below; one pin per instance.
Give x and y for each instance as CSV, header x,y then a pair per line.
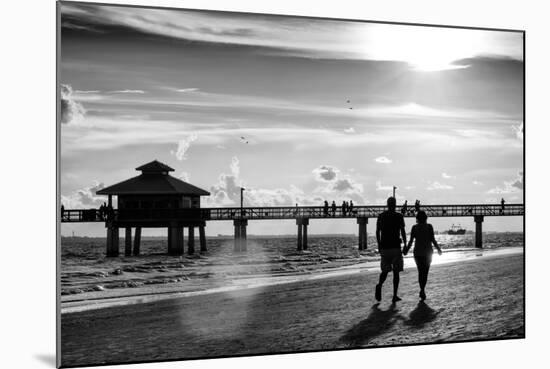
x,y
389,226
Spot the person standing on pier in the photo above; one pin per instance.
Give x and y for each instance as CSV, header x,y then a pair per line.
x,y
502,205
333,208
404,208
423,235
325,208
350,208
389,226
344,208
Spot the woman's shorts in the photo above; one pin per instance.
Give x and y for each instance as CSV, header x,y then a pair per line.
x,y
391,260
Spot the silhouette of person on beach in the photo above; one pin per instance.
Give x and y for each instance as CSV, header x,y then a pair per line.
x,y
325,208
333,208
404,208
389,226
103,211
423,235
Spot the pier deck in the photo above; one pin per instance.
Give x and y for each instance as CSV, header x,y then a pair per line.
x,y
290,212
175,220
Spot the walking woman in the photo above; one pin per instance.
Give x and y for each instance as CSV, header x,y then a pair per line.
x,y
423,235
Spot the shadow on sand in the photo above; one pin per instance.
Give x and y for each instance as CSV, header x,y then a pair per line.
x,y
421,315
375,324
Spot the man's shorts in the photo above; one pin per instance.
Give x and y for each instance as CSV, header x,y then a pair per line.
x,y
391,260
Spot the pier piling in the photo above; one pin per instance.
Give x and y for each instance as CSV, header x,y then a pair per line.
x,y
137,241
128,242
175,240
112,240
362,233
191,241
202,239
240,234
478,219
301,242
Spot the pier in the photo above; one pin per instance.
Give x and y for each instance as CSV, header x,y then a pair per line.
x,y
154,199
241,218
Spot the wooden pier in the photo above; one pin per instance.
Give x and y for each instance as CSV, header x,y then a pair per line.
x,y
241,216
154,199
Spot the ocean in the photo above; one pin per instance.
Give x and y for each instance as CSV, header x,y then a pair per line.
x,y
86,273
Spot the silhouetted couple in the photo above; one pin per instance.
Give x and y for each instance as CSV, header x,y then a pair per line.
x,y
390,230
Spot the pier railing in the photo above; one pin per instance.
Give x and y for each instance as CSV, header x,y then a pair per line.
x,y
288,212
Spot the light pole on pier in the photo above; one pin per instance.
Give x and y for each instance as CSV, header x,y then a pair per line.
x,y
394,188
242,190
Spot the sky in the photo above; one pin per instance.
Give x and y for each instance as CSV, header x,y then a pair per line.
x,y
295,110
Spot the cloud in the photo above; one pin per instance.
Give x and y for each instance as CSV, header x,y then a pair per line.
x,y
227,192
183,146
336,186
512,186
235,167
347,185
447,176
383,160
84,198
71,110
127,92
349,130
518,130
312,38
325,173
184,176
439,186
477,183
228,189
187,89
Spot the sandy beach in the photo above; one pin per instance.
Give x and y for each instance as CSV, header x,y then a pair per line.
x,y
469,299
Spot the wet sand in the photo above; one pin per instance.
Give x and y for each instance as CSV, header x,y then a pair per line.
x,y
470,299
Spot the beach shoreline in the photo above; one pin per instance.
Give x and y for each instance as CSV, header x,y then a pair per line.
x,y
478,298
143,295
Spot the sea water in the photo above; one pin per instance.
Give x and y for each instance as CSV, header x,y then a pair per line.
x,y
87,274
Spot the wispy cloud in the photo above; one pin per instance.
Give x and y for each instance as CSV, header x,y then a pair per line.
x,y
447,176
434,186
193,89
311,38
383,160
349,130
127,91
183,146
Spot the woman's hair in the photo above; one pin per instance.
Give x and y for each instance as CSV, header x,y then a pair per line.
x,y
421,216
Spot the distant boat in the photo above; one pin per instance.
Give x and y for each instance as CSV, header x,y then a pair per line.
x,y
456,229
